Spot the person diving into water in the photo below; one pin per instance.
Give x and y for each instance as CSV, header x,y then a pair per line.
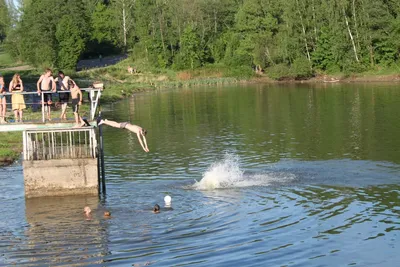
x,y
139,131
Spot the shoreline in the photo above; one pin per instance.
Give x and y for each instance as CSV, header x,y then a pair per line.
x,y
334,79
11,155
124,89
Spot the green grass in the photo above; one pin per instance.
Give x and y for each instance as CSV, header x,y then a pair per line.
x,y
10,147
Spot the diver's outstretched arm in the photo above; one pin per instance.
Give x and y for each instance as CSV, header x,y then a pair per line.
x,y
145,144
141,143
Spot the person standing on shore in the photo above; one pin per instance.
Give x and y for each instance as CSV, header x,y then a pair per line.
x,y
46,83
3,104
17,99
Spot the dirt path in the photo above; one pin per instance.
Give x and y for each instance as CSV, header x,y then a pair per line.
x,y
99,62
18,68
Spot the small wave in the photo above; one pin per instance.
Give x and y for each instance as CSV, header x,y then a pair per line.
x,y
228,174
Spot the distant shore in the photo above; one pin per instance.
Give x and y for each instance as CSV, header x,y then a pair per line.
x,y
359,78
119,84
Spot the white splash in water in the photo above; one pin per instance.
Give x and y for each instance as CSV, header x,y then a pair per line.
x,y
227,174
221,174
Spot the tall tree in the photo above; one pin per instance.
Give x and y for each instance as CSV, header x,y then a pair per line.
x,y
4,20
70,36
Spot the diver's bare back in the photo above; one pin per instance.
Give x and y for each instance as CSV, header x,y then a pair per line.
x,y
134,128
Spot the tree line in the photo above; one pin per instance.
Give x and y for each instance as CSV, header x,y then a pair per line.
x,y
293,38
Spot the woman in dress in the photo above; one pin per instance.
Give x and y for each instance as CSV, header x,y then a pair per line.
x,y
17,99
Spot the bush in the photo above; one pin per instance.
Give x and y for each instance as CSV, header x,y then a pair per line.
x,y
279,72
350,67
301,68
239,72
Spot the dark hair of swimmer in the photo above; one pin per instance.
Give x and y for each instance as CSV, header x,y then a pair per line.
x,y
156,208
144,131
60,73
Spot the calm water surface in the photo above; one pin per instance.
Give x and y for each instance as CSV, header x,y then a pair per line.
x,y
293,175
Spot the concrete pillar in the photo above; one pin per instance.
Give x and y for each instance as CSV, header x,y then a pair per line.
x,y
60,177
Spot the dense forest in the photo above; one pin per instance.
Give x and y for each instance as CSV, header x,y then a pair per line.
x,y
284,37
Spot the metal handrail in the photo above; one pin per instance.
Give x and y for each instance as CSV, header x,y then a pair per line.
x,y
94,94
51,92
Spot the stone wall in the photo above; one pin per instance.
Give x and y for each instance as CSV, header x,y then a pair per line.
x,y
60,177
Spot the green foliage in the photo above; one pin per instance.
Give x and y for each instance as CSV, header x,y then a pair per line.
x,y
301,68
190,55
243,72
323,57
70,38
4,20
38,45
338,35
13,44
5,59
103,25
279,72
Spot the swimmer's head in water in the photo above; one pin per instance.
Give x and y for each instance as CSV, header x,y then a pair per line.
x,y
144,131
107,214
156,208
87,210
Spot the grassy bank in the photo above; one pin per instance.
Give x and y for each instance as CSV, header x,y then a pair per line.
x,y
10,147
119,83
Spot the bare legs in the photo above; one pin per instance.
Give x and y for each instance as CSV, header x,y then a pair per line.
x,y
18,115
78,120
47,110
3,109
63,111
110,123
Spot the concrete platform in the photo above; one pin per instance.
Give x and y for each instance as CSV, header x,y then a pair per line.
x,y
60,177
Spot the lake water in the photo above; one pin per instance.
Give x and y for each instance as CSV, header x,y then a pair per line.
x,y
259,175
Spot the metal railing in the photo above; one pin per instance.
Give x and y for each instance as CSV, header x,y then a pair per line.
x,y
68,143
93,95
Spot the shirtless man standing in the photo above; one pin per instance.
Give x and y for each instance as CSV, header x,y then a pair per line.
x,y
62,85
76,95
139,131
46,83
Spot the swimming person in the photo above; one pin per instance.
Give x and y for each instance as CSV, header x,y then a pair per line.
x,y
87,210
139,131
156,208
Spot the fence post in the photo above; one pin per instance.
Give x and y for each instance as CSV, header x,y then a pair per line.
x,y
42,97
103,180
